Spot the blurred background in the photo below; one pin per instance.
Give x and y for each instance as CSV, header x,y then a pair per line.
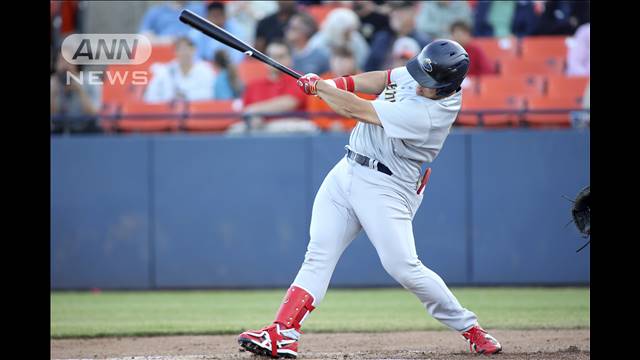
x,y
207,169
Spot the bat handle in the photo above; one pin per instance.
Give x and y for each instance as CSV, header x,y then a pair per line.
x,y
293,74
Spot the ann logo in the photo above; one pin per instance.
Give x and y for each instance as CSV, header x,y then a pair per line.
x,y
106,49
117,49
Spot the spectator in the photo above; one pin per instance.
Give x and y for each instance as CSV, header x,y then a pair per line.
x,y
404,49
247,14
562,17
580,13
402,24
276,93
435,17
227,84
272,27
161,23
500,17
181,79
340,29
72,94
578,55
480,63
504,18
371,20
309,2
342,63
306,59
524,19
206,46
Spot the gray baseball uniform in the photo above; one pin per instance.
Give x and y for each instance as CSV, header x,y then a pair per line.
x,y
354,197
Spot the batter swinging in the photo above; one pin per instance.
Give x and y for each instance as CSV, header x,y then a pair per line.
x,y
377,187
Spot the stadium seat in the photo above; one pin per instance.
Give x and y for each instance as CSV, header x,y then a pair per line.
x,y
162,117
328,123
566,87
518,85
562,119
550,66
198,121
251,69
490,103
498,49
162,53
537,47
119,84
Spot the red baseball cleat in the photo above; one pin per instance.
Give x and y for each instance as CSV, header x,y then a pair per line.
x,y
481,342
281,338
269,341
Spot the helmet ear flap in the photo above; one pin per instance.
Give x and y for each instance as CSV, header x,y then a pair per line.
x,y
445,91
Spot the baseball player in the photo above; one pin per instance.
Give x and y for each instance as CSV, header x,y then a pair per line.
x,y
377,187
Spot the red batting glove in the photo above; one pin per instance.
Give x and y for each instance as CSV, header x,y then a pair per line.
x,y
308,82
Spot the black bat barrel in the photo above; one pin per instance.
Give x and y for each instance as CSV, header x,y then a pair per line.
x,y
212,30
220,34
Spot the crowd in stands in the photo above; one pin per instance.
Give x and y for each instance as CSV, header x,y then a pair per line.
x,y
331,38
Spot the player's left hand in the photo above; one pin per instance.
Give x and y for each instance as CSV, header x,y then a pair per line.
x,y
308,82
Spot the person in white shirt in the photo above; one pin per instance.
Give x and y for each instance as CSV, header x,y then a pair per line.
x,y
339,30
184,78
578,54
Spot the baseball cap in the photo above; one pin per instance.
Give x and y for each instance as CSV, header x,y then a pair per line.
x,y
405,47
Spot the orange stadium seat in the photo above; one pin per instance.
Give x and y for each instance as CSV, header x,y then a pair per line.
x,y
518,85
548,103
497,49
467,94
163,117
537,47
120,84
566,87
212,124
162,53
327,123
251,69
490,103
552,66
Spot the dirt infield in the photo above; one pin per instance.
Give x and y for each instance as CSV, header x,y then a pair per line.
x,y
433,345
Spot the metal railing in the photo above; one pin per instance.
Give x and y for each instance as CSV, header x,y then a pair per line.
x,y
579,116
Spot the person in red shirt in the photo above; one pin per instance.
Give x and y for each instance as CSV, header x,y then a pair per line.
x,y
480,63
276,93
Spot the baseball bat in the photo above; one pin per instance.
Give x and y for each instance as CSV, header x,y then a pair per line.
x,y
220,34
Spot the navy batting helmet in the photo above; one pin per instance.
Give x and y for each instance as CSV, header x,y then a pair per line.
x,y
441,65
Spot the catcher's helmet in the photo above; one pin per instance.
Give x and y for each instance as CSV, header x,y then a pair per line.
x,y
441,65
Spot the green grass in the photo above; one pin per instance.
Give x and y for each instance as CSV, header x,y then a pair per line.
x,y
84,314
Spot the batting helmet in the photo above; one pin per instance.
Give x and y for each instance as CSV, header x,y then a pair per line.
x,y
441,65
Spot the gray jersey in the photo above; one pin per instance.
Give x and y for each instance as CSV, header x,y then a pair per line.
x,y
413,127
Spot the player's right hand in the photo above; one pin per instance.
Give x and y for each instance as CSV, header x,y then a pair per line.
x,y
307,83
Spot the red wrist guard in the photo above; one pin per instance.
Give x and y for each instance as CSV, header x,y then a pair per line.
x,y
345,83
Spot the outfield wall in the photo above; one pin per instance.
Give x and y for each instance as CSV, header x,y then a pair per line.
x,y
196,211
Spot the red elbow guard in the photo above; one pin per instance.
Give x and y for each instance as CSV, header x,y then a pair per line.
x,y
345,83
